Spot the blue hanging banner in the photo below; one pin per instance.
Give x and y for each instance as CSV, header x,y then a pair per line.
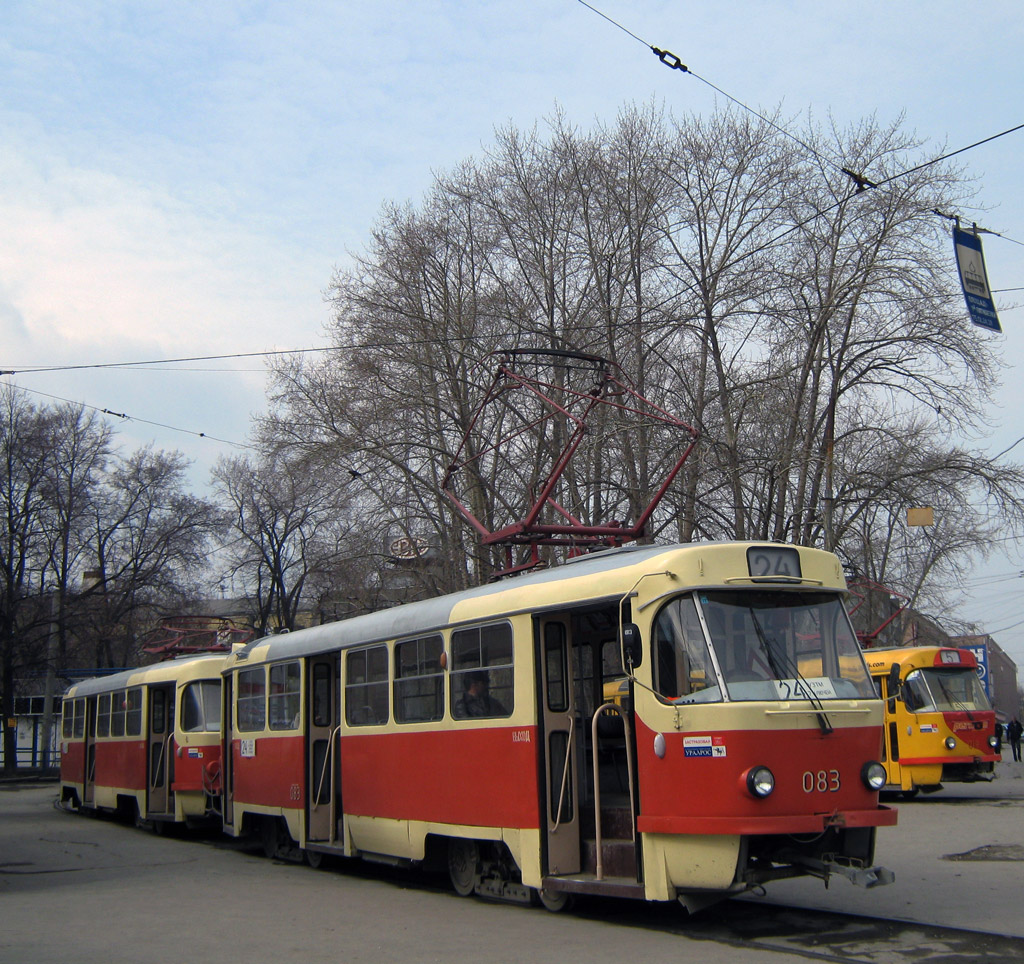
x,y
974,279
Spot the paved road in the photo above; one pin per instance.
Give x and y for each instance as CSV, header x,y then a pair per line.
x,y
84,890
79,890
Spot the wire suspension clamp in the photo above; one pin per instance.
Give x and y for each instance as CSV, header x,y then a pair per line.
x,y
669,59
859,179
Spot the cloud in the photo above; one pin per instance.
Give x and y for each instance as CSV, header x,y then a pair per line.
x,y
100,261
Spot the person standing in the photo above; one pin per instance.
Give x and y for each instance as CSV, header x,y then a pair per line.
x,y
1013,732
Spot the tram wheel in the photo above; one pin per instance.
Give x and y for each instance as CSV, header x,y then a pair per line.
x,y
555,900
314,858
463,857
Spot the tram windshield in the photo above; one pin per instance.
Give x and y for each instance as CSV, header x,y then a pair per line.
x,y
758,645
944,691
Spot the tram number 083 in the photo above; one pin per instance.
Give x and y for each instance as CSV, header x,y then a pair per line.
x,y
822,781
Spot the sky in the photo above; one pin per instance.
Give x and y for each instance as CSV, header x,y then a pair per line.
x,y
182,179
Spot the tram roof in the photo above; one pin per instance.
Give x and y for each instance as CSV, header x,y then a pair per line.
x,y
593,577
165,671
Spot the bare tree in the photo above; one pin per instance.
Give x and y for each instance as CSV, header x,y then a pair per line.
x,y
805,323
150,540
24,451
289,527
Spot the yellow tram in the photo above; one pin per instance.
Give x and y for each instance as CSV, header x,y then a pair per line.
x,y
939,724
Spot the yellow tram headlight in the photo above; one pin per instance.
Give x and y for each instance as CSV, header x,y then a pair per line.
x,y
873,775
950,743
760,781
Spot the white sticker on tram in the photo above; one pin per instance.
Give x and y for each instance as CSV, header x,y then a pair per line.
x,y
792,689
706,746
247,748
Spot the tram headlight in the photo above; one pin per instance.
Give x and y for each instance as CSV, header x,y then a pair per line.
x,y
993,742
950,743
873,775
760,781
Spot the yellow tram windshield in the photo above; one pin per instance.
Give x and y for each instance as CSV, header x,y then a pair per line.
x,y
757,645
938,690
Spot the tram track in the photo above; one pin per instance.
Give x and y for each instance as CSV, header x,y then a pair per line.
x,y
815,934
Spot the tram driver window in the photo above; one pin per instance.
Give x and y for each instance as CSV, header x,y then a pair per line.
x,y
916,695
200,707
481,677
683,671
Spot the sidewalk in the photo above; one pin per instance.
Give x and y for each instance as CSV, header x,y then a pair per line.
x,y
29,775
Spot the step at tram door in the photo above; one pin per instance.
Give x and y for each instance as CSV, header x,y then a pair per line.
x,y
562,818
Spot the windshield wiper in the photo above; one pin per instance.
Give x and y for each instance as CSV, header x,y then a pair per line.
x,y
952,700
791,669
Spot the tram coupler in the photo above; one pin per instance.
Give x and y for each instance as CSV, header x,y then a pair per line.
x,y
852,870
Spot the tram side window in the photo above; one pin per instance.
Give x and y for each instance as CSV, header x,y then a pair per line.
x,y
482,678
283,701
683,671
366,686
103,716
118,704
419,680
200,707
74,719
252,704
133,712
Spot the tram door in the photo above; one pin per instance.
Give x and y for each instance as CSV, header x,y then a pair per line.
x,y
562,819
891,740
323,778
89,789
161,716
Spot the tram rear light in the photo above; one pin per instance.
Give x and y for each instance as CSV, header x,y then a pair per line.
x,y
760,781
873,775
950,743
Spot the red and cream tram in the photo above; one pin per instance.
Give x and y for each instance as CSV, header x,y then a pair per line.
x,y
146,742
473,729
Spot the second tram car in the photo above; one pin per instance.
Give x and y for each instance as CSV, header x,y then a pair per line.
x,y
939,724
474,730
146,742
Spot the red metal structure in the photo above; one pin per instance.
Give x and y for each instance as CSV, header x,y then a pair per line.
x,y
189,635
566,401
862,589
